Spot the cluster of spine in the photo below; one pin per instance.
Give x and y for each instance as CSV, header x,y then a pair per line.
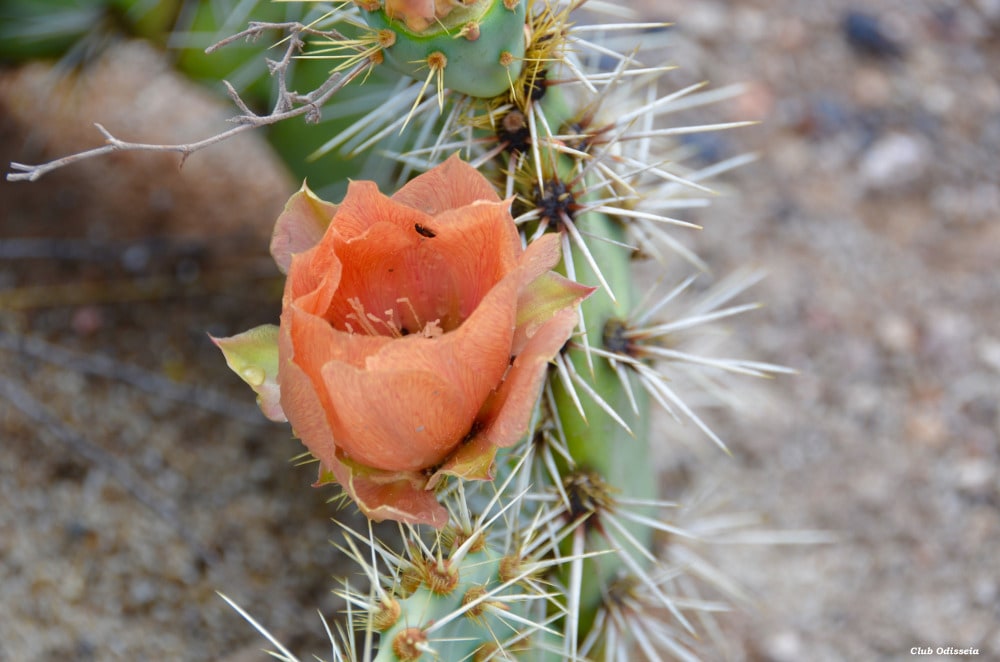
x,y
559,559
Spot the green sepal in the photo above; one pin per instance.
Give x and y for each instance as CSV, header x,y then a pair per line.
x,y
253,355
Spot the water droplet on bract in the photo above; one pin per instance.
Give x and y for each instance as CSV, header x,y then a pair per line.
x,y
253,375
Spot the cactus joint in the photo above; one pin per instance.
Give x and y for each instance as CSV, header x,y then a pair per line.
x,y
455,538
410,580
437,61
622,593
488,651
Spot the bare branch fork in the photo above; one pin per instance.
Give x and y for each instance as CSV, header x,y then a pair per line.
x,y
289,104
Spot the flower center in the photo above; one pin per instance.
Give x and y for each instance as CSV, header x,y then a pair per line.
x,y
387,325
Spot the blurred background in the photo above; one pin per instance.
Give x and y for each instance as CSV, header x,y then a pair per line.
x,y
138,478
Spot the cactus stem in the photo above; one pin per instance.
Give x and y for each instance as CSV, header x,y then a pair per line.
x,y
615,339
490,651
510,567
567,382
548,445
464,540
571,380
555,206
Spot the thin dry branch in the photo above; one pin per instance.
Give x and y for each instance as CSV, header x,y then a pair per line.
x,y
289,104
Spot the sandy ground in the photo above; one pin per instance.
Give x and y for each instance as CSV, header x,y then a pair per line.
x,y
130,498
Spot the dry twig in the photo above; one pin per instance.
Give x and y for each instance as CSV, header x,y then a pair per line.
x,y
289,104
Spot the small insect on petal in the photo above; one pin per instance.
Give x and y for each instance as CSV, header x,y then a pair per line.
x,y
423,231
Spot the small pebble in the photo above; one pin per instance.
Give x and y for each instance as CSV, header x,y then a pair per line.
x,y
784,646
87,320
894,160
990,9
868,36
896,333
988,350
975,475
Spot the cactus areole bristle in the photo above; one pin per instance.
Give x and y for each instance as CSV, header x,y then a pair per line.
x,y
408,644
483,66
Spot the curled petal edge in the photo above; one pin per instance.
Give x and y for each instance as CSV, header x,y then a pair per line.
x,y
382,495
452,185
300,226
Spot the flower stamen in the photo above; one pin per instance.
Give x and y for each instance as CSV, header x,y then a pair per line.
x,y
413,311
362,317
369,321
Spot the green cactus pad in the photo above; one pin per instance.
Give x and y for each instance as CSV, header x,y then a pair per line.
x,y
483,66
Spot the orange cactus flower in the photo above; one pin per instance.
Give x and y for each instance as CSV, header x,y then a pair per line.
x,y
414,339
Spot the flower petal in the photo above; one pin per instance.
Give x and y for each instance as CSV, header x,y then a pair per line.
x,y
379,495
478,245
440,275
476,356
451,185
307,343
253,355
312,281
365,206
300,226
395,496
472,358
396,420
417,14
307,413
505,417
